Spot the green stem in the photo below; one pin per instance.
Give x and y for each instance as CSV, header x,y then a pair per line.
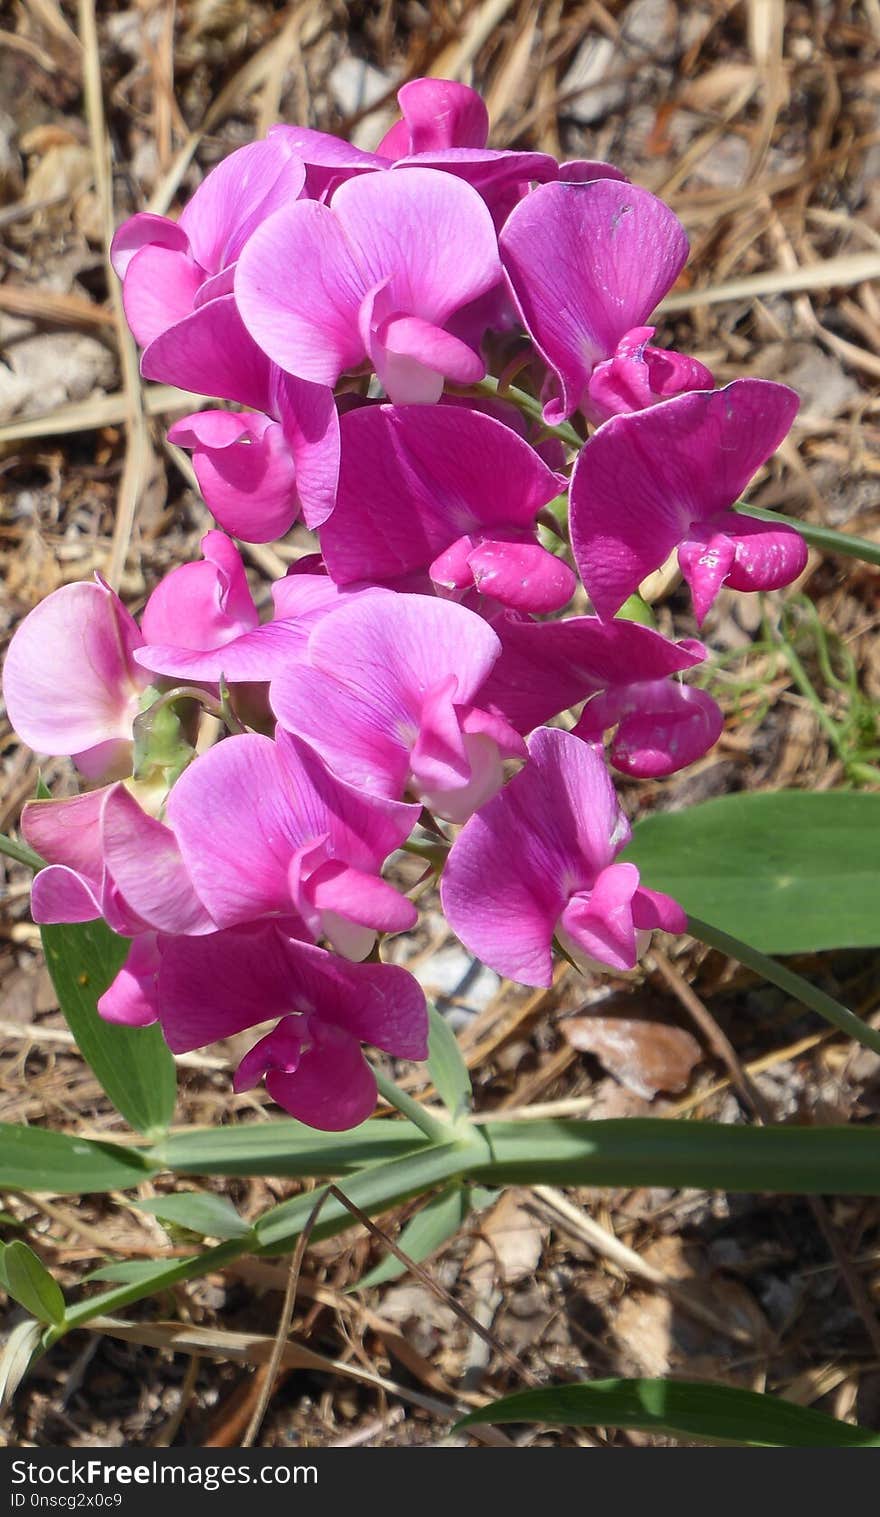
x,y
530,407
793,984
21,853
820,537
433,1127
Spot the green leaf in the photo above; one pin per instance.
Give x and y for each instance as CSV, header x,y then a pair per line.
x,y
32,1158
641,1151
446,1066
373,1189
284,1148
791,872
125,1271
137,1284
27,1279
132,1063
691,1409
199,1211
423,1234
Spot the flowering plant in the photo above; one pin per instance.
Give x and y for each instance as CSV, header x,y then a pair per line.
x,y
453,673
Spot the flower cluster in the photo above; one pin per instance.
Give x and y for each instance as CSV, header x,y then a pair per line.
x,y
413,672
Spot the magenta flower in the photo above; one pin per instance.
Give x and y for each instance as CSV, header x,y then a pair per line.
x,y
387,700
108,858
266,830
445,126
312,1062
447,490
254,469
587,263
70,681
376,276
538,861
170,267
624,670
667,478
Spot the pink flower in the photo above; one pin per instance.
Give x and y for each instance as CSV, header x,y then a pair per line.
x,y
266,830
538,861
108,858
445,126
215,987
375,276
587,263
254,469
170,267
624,669
70,681
387,698
666,478
447,490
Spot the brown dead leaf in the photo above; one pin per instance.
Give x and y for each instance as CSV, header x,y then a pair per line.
x,y
645,1056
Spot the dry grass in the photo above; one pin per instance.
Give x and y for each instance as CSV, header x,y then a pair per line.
x,y
760,123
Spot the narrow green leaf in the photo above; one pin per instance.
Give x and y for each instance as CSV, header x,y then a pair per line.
x,y
132,1063
284,1148
438,1220
200,1212
32,1158
446,1066
137,1286
27,1279
641,1151
373,1190
791,872
124,1272
690,1409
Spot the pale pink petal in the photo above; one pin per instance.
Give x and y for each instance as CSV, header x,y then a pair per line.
x,y
59,894
328,159
146,867
211,353
409,354
245,471
586,263
429,231
600,921
237,195
142,231
201,605
437,113
67,832
132,998
360,897
310,423
69,681
299,285
159,289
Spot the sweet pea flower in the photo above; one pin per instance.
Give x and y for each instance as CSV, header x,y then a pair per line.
x,y
71,683
386,697
587,263
169,267
376,275
266,830
547,846
450,491
626,671
667,478
108,858
312,1062
256,469
445,125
